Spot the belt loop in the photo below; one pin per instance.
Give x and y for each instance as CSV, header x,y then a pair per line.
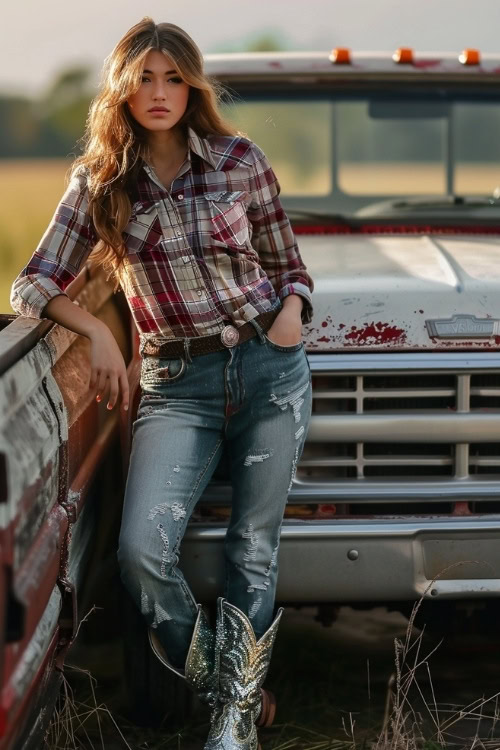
x,y
187,353
258,328
142,344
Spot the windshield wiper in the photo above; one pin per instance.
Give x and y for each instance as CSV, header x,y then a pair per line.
x,y
316,216
450,201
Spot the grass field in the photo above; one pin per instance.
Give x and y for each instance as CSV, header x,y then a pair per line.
x,y
29,193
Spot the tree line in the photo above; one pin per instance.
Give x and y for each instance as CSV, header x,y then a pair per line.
x,y
51,125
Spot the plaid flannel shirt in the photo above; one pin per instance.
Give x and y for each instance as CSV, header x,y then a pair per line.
x,y
215,249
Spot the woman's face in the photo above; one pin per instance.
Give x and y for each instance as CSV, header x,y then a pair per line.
x,y
162,97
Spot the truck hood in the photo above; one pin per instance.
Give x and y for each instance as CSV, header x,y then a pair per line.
x,y
388,292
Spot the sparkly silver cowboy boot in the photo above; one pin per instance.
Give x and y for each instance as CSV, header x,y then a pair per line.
x,y
198,671
199,668
242,663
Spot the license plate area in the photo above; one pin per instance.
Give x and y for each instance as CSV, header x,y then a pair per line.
x,y
461,559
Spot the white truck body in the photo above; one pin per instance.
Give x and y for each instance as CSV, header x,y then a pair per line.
x,y
397,494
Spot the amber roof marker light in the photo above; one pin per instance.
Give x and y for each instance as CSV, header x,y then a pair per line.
x,y
470,57
340,56
403,56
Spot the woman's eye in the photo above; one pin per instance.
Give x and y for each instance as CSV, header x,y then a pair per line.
x,y
175,79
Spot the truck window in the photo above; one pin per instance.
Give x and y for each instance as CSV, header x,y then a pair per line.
x,y
341,153
297,138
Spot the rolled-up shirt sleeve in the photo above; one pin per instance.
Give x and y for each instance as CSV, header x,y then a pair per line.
x,y
273,238
64,247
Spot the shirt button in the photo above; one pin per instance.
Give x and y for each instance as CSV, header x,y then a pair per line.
x,y
199,292
180,197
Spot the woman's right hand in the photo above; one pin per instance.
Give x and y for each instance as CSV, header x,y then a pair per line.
x,y
107,368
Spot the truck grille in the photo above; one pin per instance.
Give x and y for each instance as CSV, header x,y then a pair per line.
x,y
400,434
417,427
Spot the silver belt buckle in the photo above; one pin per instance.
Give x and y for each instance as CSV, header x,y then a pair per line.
x,y
230,336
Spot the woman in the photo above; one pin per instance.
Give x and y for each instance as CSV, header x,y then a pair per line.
x,y
185,213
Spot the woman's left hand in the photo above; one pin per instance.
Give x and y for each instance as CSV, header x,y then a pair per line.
x,y
287,327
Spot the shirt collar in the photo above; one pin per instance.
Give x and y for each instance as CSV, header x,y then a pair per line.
x,y
201,147
198,145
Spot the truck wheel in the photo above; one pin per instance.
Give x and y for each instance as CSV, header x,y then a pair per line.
x,y
154,696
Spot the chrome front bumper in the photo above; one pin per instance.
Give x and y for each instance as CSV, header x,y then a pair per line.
x,y
368,560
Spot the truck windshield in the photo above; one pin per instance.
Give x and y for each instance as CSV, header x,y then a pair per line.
x,y
342,154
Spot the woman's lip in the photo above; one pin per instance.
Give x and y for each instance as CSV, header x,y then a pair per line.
x,y
166,111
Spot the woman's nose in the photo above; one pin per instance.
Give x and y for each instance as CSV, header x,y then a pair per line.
x,y
159,91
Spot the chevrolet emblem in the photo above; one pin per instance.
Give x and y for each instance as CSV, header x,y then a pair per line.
x,y
462,326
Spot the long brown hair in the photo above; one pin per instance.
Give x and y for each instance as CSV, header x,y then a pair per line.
x,y
114,142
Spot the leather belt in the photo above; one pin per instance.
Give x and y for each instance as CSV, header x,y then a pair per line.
x,y
229,336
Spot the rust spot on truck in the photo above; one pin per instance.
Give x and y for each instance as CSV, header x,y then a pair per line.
x,y
375,333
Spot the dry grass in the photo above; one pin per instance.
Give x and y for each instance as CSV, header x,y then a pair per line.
x,y
432,724
414,720
81,723
29,193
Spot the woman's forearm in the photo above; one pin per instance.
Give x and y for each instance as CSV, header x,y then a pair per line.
x,y
293,302
108,371
62,310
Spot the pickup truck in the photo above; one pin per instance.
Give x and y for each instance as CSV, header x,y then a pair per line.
x,y
389,166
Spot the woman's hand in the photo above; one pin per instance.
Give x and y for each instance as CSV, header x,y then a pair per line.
x,y
107,367
287,327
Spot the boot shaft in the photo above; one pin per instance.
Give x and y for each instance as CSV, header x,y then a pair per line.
x,y
199,669
242,663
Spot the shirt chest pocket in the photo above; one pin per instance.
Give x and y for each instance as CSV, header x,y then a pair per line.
x,y
227,217
143,228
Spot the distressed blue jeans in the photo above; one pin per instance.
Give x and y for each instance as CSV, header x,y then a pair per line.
x,y
255,400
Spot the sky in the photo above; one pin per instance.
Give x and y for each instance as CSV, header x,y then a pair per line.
x,y
38,39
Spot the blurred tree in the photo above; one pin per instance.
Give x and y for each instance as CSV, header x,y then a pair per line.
x,y
64,108
50,126
70,85
267,42
20,128
53,125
